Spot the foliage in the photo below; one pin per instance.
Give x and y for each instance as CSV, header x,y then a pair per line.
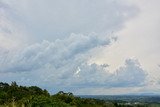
x,y
12,95
33,96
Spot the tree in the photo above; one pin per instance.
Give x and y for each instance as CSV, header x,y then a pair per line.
x,y
14,84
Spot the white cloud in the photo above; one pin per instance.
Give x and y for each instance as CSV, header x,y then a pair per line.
x,y
55,64
58,53
95,75
139,39
66,60
50,20
11,34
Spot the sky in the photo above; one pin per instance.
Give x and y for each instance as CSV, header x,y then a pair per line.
x,y
106,47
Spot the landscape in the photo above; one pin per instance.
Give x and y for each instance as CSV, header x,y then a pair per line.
x,y
12,95
79,53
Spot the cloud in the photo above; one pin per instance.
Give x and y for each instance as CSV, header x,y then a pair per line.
x,y
11,33
57,19
94,75
132,74
58,53
60,43
139,39
63,64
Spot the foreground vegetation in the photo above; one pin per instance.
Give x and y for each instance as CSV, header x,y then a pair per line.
x,y
12,95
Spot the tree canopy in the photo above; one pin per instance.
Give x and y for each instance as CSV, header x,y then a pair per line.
x,y
13,95
33,96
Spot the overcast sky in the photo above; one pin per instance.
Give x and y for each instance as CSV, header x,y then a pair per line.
x,y
81,46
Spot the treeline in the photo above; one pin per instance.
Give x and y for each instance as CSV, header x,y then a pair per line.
x,y
12,95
